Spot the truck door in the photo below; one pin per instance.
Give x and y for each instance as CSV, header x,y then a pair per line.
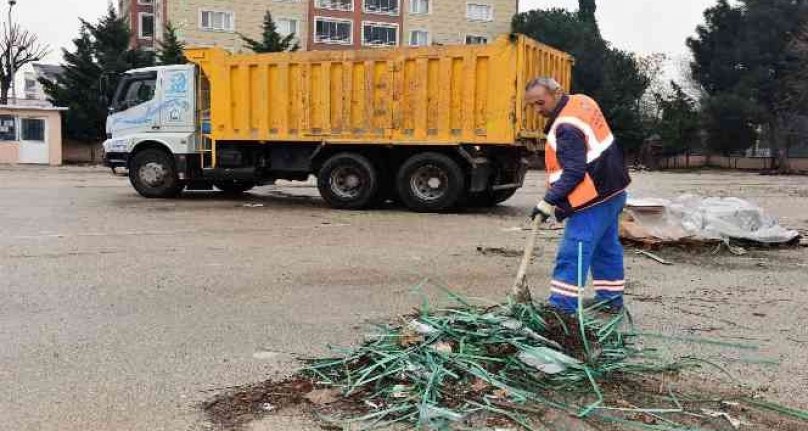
x,y
135,109
177,96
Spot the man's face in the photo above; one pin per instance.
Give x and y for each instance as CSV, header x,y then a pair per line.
x,y
542,100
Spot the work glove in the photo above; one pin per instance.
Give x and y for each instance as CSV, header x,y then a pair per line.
x,y
543,210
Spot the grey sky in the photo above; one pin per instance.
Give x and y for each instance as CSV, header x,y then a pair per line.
x,y
644,26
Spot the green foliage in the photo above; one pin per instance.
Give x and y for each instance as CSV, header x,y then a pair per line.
x,y
111,36
612,76
171,48
679,121
586,11
91,75
78,89
742,59
271,40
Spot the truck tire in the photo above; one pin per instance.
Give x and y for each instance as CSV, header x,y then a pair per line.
x,y
153,174
430,182
234,187
348,181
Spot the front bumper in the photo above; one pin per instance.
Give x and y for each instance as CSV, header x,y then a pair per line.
x,y
116,160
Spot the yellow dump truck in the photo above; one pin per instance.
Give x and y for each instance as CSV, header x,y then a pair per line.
x,y
434,127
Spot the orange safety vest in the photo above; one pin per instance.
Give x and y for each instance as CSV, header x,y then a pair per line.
x,y
585,115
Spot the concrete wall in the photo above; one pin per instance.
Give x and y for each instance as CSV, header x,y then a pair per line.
x,y
9,150
82,152
248,20
797,164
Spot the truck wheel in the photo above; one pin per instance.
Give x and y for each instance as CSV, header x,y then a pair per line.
x,y
430,182
234,187
153,175
348,181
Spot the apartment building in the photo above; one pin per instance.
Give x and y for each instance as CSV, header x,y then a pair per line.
x,y
323,24
142,16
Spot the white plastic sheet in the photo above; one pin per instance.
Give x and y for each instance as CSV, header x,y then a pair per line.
x,y
694,217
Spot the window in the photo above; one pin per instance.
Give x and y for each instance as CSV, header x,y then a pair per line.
x,y
387,7
479,12
335,4
146,25
418,7
217,21
476,40
30,84
329,30
8,128
33,129
135,90
419,38
378,34
286,26
145,2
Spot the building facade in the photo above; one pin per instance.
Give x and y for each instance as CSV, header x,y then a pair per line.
x,y
322,24
142,16
34,92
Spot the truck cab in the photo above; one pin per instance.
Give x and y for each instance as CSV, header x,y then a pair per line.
x,y
154,110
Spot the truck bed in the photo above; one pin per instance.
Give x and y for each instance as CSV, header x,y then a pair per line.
x,y
438,95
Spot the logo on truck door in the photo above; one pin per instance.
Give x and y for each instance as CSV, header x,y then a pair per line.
x,y
177,84
176,95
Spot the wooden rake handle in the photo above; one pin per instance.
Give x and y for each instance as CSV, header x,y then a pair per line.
x,y
520,292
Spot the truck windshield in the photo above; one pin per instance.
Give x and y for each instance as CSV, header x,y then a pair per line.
x,y
134,89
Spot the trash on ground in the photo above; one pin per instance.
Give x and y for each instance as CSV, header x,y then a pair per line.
x,y
692,220
499,251
735,422
652,256
252,205
504,366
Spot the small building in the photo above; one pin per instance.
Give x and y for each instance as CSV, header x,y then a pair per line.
x,y
31,134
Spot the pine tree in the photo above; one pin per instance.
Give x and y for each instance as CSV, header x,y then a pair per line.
x,y
111,38
742,61
92,73
171,48
271,40
586,11
78,89
611,76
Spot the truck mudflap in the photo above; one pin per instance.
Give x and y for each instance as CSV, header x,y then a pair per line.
x,y
510,174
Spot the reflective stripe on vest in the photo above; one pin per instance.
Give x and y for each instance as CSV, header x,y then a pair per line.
x,y
594,146
584,114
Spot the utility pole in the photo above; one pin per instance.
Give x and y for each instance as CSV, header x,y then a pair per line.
x,y
11,4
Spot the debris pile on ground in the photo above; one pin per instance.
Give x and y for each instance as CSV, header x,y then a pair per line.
x,y
448,365
508,365
692,220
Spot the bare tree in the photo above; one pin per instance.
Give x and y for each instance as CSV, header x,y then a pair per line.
x,y
18,47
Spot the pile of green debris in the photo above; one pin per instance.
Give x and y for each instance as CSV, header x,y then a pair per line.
x,y
448,368
472,366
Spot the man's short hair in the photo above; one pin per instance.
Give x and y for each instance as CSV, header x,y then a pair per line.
x,y
547,82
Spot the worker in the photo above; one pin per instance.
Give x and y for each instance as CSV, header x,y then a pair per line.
x,y
586,186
